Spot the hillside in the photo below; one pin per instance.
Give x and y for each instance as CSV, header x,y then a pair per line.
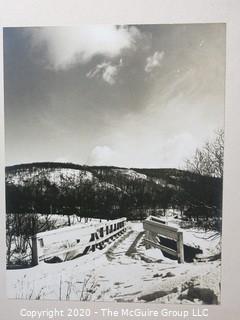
x,y
101,191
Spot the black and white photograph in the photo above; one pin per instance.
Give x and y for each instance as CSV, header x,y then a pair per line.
x,y
114,148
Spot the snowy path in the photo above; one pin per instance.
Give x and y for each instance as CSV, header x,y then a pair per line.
x,y
111,275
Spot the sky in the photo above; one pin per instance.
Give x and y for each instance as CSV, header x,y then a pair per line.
x,y
130,96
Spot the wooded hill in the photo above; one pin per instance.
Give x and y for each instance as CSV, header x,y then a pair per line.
x,y
109,192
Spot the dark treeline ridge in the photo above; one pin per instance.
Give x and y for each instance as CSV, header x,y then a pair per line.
x,y
111,192
69,165
53,165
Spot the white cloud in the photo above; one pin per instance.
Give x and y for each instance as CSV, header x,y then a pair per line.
x,y
67,46
101,155
106,71
110,73
154,61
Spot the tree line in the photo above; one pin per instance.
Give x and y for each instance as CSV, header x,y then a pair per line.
x,y
111,196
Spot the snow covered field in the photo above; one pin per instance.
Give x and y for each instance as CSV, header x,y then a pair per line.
x,y
111,275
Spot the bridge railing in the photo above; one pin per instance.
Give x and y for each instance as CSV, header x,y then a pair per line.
x,y
155,227
97,235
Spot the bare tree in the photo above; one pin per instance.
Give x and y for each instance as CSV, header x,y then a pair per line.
x,y
209,159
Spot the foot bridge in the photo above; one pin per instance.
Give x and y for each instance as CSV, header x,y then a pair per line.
x,y
71,242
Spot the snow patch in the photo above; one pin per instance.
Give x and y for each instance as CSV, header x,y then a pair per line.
x,y
131,174
56,176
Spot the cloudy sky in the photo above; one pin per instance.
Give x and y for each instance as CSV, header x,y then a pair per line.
x,y
133,96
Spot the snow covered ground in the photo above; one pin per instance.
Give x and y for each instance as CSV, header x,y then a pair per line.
x,y
54,175
111,275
